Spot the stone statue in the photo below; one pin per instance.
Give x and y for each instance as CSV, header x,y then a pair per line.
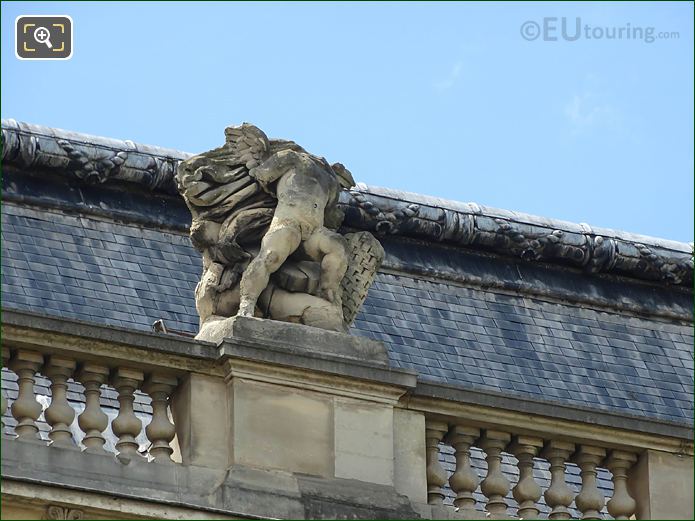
x,y
265,218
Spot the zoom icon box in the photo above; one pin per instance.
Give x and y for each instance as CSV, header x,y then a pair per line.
x,y
43,37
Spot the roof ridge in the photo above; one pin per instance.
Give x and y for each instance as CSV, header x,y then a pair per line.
x,y
95,159
521,217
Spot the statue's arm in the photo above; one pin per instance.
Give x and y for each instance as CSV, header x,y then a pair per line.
x,y
275,166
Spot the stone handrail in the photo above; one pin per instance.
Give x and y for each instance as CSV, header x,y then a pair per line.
x,y
187,381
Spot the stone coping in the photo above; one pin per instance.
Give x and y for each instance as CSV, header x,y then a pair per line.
x,y
554,409
247,347
303,358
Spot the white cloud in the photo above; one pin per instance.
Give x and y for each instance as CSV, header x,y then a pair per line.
x,y
587,111
451,80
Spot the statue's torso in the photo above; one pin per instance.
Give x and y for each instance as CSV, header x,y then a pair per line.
x,y
304,192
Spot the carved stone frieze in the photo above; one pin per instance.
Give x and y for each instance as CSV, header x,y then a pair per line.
x,y
603,254
60,512
89,159
530,242
475,229
672,269
93,169
388,221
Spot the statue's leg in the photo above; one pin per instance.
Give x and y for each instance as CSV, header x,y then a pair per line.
x,y
276,246
206,291
331,249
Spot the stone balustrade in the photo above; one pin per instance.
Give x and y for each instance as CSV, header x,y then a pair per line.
x,y
557,501
290,415
58,369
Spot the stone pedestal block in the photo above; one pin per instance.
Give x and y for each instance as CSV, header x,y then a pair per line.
x,y
310,401
295,338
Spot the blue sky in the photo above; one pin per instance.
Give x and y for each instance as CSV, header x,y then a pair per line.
x,y
445,99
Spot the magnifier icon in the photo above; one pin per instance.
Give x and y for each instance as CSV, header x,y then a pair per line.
x,y
43,35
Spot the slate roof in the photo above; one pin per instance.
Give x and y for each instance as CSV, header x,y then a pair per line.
x,y
77,266
446,303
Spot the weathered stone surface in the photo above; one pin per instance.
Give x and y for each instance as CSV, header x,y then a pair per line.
x,y
255,202
91,159
237,492
278,427
352,499
409,454
202,424
662,485
364,441
295,336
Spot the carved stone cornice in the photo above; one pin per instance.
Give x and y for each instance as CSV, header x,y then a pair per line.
x,y
527,237
92,159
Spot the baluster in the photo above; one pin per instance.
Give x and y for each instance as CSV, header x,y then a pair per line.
x,y
160,430
436,475
495,486
59,414
3,403
126,425
590,499
25,408
526,492
464,480
558,496
622,505
93,421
